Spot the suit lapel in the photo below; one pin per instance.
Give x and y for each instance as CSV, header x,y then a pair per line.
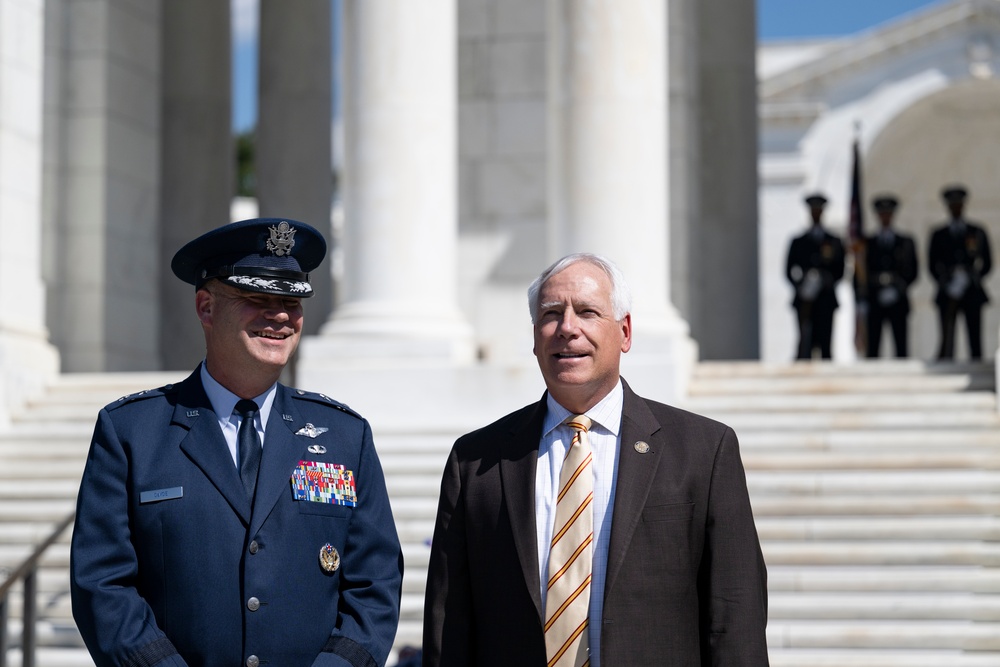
x,y
282,452
635,476
519,458
205,445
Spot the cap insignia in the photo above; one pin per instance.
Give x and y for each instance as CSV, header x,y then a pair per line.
x,y
282,239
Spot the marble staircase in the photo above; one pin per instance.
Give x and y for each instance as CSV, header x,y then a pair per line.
x,y
876,488
876,491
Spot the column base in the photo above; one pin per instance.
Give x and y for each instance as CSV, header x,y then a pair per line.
x,y
366,334
28,363
433,394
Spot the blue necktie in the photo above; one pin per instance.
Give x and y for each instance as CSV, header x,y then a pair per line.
x,y
248,443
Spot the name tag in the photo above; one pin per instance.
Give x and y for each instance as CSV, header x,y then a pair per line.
x,y
161,494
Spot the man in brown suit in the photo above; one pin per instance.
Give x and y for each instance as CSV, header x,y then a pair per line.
x,y
677,574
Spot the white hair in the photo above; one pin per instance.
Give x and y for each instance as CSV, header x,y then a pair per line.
x,y
621,296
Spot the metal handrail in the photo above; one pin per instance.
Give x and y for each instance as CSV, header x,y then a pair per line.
x,y
28,571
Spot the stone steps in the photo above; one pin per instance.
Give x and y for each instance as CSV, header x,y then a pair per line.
x,y
876,489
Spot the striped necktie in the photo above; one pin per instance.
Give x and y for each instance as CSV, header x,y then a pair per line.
x,y
567,602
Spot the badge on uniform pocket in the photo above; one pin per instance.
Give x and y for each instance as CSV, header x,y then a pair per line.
x,y
322,482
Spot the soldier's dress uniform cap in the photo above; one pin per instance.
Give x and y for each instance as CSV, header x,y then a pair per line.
x,y
268,255
815,199
885,203
954,193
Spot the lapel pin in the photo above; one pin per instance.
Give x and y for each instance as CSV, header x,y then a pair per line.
x,y
311,431
641,447
288,418
192,413
329,559
316,449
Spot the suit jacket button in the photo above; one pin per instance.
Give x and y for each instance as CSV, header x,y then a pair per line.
x,y
254,547
253,661
253,604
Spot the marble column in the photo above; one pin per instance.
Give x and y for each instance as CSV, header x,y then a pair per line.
x,y
27,360
102,200
724,301
294,165
197,157
399,188
608,161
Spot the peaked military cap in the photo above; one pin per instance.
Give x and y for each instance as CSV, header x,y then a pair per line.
x,y
815,199
268,255
954,193
885,203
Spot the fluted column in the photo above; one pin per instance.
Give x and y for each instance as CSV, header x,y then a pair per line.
x,y
608,157
196,174
294,151
400,237
27,360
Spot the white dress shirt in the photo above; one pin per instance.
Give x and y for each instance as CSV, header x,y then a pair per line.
x,y
604,438
224,402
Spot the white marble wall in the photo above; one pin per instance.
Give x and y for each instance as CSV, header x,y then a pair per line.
x,y
26,358
103,195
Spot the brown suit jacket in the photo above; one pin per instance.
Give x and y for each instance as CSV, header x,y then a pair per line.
x,y
686,581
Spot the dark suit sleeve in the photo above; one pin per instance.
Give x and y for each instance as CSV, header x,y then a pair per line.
x,y
371,580
448,614
733,577
117,625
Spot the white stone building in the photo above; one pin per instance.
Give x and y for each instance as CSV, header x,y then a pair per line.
x,y
922,95
483,139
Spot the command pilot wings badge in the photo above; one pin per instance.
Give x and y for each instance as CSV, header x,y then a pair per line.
x,y
311,431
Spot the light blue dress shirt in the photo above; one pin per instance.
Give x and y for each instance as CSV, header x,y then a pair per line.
x,y
604,438
224,402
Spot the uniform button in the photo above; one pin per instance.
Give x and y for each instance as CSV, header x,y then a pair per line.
x,y
254,547
253,604
253,661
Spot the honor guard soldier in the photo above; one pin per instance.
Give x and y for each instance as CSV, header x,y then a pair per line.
x,y
890,269
959,260
229,519
815,265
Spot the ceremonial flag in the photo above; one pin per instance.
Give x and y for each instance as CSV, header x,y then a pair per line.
x,y
856,234
857,223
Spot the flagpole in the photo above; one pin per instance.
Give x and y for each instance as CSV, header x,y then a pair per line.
x,y
856,235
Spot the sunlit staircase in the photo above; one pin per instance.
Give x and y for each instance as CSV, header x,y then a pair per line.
x,y
876,488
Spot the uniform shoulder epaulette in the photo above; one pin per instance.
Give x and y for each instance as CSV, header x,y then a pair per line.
x,y
142,395
323,399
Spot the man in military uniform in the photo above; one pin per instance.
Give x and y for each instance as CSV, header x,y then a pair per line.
x,y
959,260
228,519
890,269
815,265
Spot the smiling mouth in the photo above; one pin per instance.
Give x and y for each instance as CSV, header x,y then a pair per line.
x,y
569,355
273,335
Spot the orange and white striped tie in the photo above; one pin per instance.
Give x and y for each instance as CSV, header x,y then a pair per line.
x,y
567,602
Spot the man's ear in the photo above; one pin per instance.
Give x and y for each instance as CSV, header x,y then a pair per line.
x,y
626,325
204,301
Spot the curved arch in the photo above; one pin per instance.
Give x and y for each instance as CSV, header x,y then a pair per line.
x,y
950,136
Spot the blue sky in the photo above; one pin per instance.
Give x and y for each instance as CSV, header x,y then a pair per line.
x,y
784,19
776,20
